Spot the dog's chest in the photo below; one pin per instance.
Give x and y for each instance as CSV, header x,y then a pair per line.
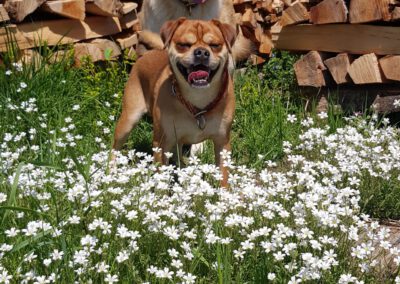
x,y
186,128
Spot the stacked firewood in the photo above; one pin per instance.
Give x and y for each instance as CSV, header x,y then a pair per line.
x,y
354,44
100,29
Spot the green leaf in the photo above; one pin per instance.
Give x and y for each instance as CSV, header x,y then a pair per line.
x,y
13,192
29,241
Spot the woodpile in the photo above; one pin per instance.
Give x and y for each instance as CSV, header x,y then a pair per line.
x,y
348,44
99,29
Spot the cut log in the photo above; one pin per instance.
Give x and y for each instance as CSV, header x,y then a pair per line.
x,y
107,8
386,104
338,66
128,7
365,70
364,11
55,32
295,14
126,41
73,9
96,50
249,19
129,20
19,9
355,39
266,44
310,70
328,12
3,14
390,66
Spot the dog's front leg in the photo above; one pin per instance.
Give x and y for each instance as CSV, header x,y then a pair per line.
x,y
219,146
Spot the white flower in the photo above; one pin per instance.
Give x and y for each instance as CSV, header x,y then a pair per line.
x,y
396,103
5,277
122,256
57,255
271,276
164,273
111,279
3,197
173,253
47,262
76,107
189,278
102,267
322,115
291,118
23,85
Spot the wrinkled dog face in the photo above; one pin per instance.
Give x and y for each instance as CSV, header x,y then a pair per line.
x,y
198,50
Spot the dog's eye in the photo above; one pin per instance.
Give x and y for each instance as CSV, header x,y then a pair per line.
x,y
183,45
215,46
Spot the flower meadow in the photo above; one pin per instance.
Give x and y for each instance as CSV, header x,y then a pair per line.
x,y
78,218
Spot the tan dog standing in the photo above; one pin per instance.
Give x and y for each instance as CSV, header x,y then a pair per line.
x,y
186,89
154,13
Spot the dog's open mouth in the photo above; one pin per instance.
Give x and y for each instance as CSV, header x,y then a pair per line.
x,y
198,76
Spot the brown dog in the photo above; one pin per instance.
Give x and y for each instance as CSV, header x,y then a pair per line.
x,y
187,89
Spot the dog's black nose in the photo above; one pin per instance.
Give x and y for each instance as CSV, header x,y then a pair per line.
x,y
201,53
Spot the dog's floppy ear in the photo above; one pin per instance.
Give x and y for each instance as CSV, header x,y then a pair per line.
x,y
229,33
168,29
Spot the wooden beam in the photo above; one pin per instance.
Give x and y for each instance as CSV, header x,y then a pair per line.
x,y
19,9
73,9
391,67
328,12
339,66
294,14
55,32
365,11
355,39
310,70
365,70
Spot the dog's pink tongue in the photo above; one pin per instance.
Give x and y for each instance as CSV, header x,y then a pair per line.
x,y
199,1
197,75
